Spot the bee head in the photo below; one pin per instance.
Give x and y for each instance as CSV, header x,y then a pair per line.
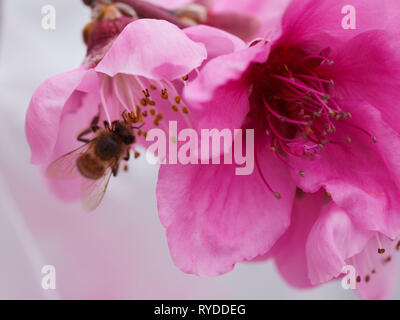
x,y
124,132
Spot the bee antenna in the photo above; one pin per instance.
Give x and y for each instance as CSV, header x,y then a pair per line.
x,y
137,128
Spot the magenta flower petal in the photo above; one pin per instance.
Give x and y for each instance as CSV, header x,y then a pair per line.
x,y
224,70
250,18
378,84
333,239
336,241
215,219
154,49
220,92
216,41
313,22
43,115
290,251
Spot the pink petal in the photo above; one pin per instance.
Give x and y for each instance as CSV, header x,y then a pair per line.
x,y
77,114
248,19
290,250
155,49
310,21
215,218
223,70
43,115
373,76
382,283
216,41
333,239
221,92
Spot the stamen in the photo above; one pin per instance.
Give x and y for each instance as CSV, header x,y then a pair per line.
x,y
280,117
118,95
381,250
324,59
276,194
373,138
103,99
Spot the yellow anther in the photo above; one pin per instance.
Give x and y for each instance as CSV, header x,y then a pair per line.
x,y
309,131
175,108
146,93
286,67
178,99
143,102
153,112
185,110
164,94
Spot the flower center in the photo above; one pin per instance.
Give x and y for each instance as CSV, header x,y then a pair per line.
x,y
294,100
145,101
298,103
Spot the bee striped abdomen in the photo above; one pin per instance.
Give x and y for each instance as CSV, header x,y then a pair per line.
x,y
90,167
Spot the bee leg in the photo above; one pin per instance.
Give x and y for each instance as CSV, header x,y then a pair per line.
x,y
94,124
115,169
84,133
95,120
127,157
140,127
93,128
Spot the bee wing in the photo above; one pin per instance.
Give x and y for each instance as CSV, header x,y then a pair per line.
x,y
65,166
93,190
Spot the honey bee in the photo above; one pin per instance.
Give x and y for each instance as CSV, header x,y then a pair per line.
x,y
97,159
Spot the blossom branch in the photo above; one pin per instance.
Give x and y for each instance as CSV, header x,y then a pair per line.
x,y
148,10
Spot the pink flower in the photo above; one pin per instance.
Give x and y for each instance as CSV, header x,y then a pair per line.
x,y
322,101
134,66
